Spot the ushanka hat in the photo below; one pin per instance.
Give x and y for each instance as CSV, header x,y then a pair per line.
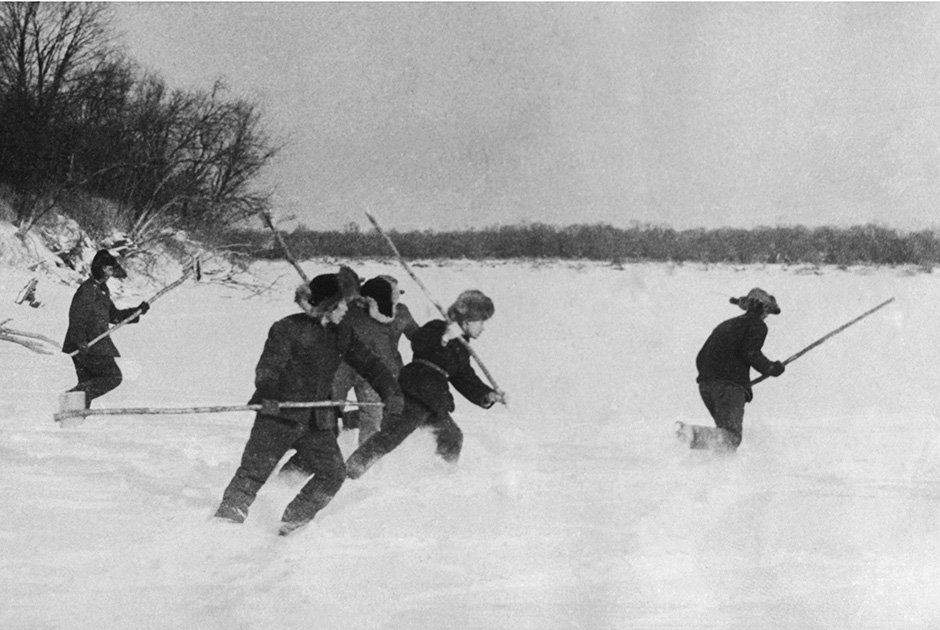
x,y
758,299
392,280
380,290
321,295
471,306
104,259
349,282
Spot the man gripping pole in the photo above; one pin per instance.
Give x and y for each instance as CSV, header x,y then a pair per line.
x,y
436,304
828,336
88,339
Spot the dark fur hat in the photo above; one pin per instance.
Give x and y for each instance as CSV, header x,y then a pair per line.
x,y
321,295
104,259
349,282
381,291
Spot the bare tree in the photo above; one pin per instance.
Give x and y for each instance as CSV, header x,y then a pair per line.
x,y
48,51
78,117
202,154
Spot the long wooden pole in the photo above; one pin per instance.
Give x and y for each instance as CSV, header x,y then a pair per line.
x,y
23,333
266,217
26,343
828,336
176,411
437,305
137,312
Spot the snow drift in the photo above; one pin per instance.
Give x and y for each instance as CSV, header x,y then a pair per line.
x,y
572,507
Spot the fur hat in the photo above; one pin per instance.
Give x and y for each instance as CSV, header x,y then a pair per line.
x,y
380,290
758,300
392,280
104,259
471,306
349,282
321,295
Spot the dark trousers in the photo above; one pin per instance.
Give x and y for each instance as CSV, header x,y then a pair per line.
x,y
369,418
396,428
725,402
97,375
270,439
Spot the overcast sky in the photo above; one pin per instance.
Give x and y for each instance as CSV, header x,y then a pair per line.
x,y
451,115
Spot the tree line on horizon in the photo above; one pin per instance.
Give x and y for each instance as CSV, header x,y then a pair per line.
x,y
857,245
87,132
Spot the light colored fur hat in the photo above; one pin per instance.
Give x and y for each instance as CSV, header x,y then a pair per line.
x,y
758,299
471,306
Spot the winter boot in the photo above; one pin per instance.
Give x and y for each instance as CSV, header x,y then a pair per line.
x,y
231,514
288,528
685,432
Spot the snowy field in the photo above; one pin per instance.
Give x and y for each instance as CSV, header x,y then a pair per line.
x,y
573,507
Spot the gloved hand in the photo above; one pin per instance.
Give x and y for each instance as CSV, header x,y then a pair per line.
x,y
143,307
394,404
270,407
496,397
777,368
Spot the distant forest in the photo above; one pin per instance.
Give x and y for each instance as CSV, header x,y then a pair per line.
x,y
88,133
859,245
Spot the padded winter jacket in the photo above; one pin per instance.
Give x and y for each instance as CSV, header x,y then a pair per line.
x,y
434,365
376,335
403,324
90,314
733,348
300,359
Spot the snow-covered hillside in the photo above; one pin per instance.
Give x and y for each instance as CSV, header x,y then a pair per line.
x,y
573,507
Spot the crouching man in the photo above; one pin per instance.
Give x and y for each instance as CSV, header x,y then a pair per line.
x,y
724,373
298,364
439,359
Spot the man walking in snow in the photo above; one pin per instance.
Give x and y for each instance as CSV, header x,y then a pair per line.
x,y
380,320
298,364
440,358
724,380
90,314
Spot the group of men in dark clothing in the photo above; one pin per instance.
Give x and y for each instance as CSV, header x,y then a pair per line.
x,y
300,361
346,337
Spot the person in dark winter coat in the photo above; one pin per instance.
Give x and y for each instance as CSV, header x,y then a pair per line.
x,y
404,322
380,321
439,359
298,364
90,315
724,372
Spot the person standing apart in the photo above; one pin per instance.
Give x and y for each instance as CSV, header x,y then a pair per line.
x,y
440,358
724,380
298,364
90,315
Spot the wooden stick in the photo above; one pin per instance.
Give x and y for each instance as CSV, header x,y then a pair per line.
x,y
825,337
23,333
265,215
137,312
437,305
32,345
138,411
